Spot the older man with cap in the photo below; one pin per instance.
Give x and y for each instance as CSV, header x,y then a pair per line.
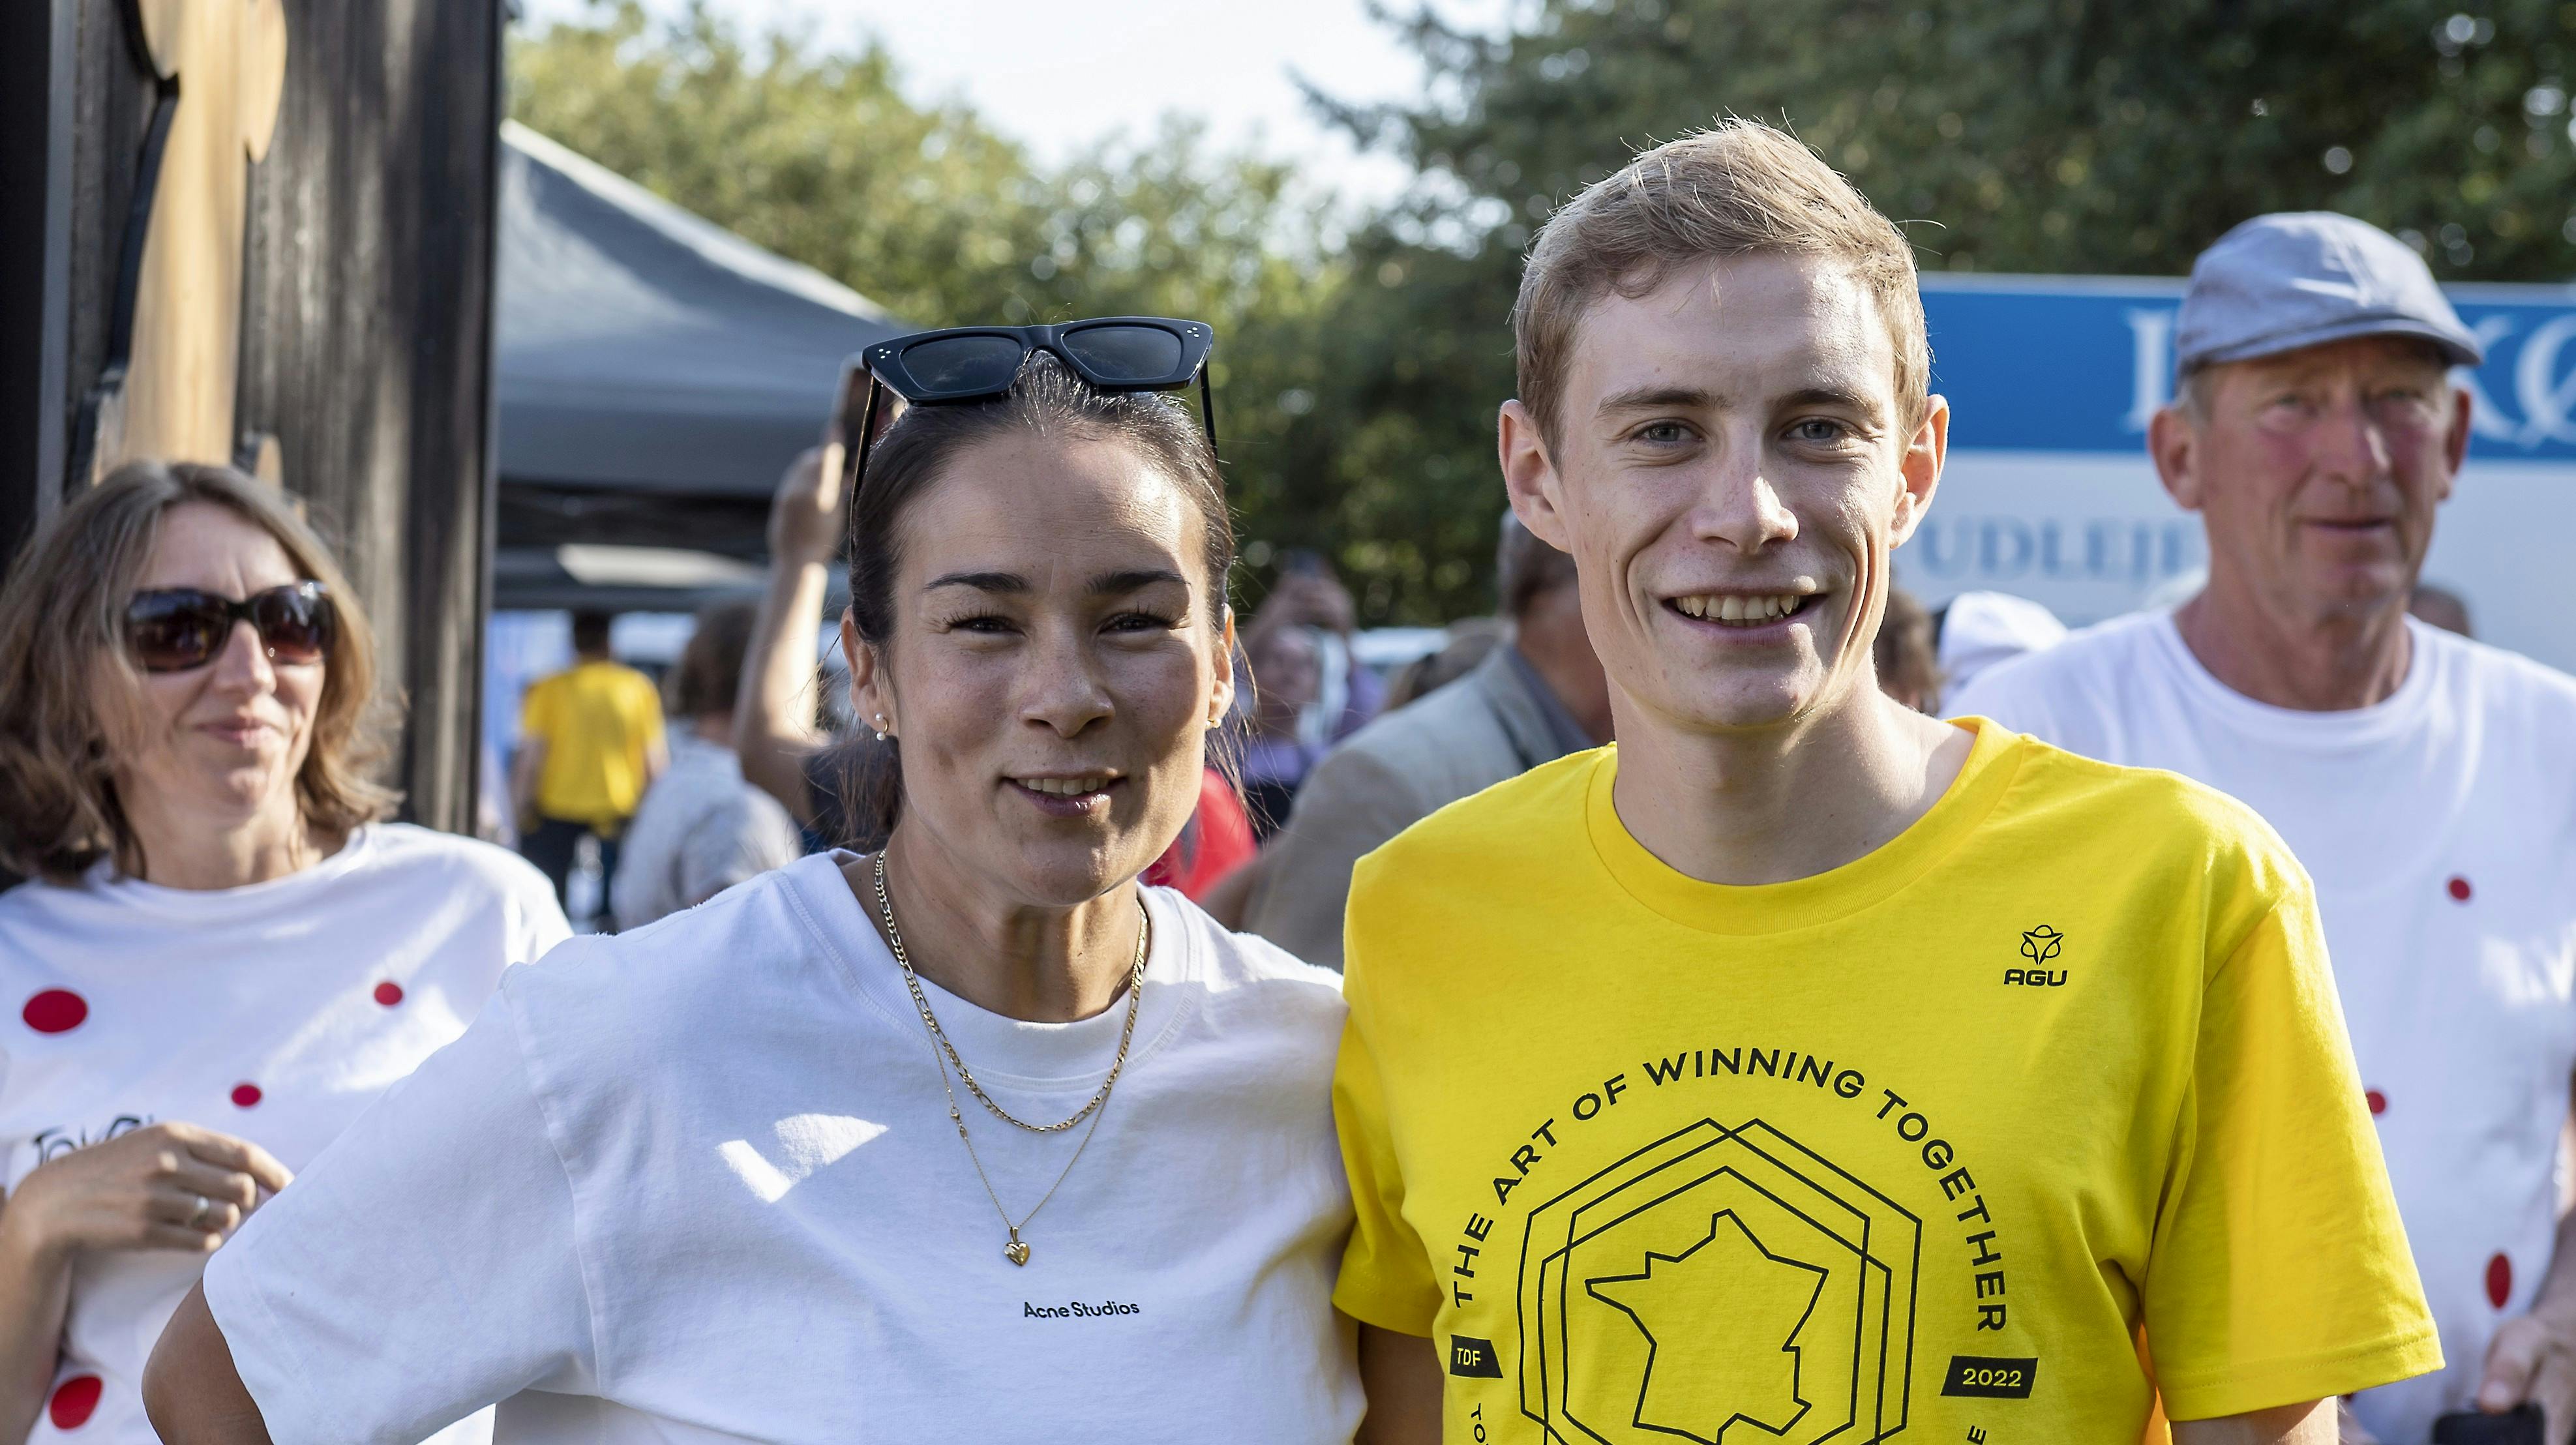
x,y
2428,783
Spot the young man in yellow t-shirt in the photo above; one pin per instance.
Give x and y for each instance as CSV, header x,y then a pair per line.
x,y
590,743
1803,1069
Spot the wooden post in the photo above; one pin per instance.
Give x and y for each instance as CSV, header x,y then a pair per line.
x,y
370,312
328,322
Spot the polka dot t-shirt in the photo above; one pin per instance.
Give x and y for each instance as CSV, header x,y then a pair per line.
x,y
274,1013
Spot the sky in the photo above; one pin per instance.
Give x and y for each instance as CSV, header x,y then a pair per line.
x,y
1059,74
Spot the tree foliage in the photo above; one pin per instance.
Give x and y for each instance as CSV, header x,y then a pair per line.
x,y
1361,378
2064,136
925,209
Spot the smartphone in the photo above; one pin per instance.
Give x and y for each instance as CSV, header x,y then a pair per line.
x,y
2518,1426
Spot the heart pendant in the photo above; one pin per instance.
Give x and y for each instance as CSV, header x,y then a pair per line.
x,y
1015,1251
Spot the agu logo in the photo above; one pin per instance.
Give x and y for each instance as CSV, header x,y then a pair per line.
x,y
1723,1285
2039,945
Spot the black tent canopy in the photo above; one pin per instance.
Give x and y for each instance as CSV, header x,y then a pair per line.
x,y
655,371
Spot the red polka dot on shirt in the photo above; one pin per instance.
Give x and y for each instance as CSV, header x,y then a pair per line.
x,y
245,1095
73,1401
2459,890
55,1011
2378,1101
389,993
2499,1281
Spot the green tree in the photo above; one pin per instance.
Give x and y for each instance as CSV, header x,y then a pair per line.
x,y
2012,135
821,158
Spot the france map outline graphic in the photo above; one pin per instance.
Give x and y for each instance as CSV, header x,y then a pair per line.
x,y
1766,1218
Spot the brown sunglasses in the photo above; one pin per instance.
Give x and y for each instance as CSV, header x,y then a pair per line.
x,y
178,628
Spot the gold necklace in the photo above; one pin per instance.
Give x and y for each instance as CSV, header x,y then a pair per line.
x,y
1017,1250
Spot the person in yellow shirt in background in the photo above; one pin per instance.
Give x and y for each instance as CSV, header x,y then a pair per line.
x,y
1802,1068
590,742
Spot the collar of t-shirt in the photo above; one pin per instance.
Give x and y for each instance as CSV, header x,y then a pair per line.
x,y
220,905
1822,898
1036,1057
2393,717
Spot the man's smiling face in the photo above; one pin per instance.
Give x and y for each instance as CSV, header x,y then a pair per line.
x,y
2318,471
1731,470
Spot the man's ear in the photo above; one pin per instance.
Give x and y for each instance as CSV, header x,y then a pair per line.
x,y
870,694
1530,477
2175,446
2455,445
1925,454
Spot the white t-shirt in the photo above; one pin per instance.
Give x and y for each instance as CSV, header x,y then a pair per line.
x,y
2440,827
275,1013
698,1183
699,831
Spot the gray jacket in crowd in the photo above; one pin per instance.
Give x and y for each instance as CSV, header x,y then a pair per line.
x,y
1495,723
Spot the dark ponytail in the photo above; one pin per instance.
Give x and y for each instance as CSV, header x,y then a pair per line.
x,y
1045,400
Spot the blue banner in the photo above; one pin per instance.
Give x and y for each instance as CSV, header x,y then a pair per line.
x,y
2078,363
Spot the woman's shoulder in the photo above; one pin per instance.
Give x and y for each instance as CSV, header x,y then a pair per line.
x,y
36,906
410,848
1226,961
718,960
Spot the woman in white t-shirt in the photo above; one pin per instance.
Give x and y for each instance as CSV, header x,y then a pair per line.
x,y
975,1139
222,955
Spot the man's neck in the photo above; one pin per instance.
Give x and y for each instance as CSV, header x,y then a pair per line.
x,y
2330,663
1776,804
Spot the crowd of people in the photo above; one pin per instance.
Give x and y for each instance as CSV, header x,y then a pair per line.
x,y
1642,1016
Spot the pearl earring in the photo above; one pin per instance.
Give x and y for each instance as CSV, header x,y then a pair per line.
x,y
881,727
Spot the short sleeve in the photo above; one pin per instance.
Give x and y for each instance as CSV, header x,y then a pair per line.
x,y
648,711
422,1267
540,924
536,710
1386,1277
2280,1272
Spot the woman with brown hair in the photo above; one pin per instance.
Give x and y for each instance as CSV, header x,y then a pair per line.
x,y
974,1139
223,953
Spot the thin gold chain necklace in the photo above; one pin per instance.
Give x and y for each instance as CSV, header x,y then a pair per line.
x,y
1017,1250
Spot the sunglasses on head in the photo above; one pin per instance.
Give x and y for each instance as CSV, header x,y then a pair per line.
x,y
174,629
978,363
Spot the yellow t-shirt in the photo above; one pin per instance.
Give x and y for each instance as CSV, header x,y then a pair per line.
x,y
599,721
1909,1149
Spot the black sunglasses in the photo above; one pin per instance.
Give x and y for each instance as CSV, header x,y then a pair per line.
x,y
175,629
977,363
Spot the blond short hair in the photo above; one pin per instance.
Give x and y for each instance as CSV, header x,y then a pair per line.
x,y
1738,188
62,631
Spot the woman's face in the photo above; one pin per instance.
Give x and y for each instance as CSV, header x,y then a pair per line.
x,y
218,746
1054,665
1287,677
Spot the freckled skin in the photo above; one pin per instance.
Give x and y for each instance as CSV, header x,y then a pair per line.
x,y
1056,678
1761,450
2320,470
1028,913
